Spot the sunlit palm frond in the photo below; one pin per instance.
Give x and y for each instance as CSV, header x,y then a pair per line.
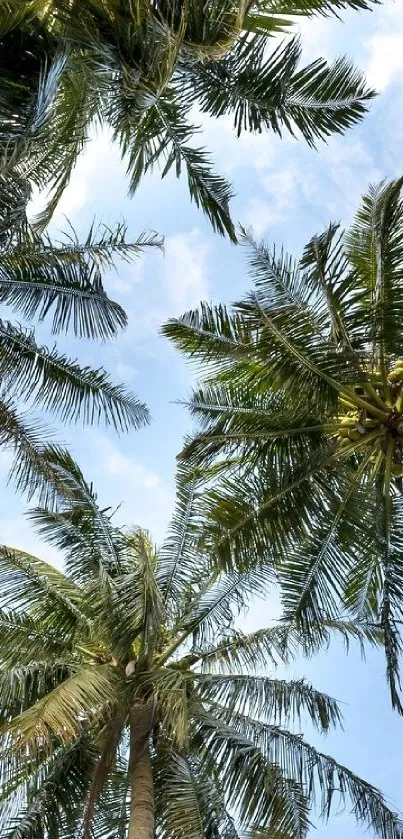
x,y
91,544
63,711
84,654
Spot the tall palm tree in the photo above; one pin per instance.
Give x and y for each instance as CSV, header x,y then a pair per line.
x,y
59,283
300,420
133,706
143,67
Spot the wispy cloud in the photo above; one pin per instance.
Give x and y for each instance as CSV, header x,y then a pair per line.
x,y
124,480
185,274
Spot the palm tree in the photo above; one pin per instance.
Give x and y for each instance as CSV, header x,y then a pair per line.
x,y
60,283
300,420
132,706
143,67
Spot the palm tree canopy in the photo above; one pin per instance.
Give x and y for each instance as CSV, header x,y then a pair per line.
x,y
59,283
300,420
143,67
129,642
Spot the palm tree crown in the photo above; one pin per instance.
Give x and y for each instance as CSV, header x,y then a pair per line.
x,y
132,707
60,283
143,67
301,420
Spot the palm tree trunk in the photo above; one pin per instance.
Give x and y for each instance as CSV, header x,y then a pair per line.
x,y
141,825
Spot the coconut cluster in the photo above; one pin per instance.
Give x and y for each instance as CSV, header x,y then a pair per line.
x,y
371,418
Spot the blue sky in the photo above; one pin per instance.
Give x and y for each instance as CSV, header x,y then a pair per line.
x,y
286,192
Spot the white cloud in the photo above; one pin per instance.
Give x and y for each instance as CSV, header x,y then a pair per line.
x,y
122,479
386,59
185,276
282,187
315,36
125,372
120,465
231,152
16,532
258,215
99,155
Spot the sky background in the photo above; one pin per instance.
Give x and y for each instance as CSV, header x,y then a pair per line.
x,y
286,192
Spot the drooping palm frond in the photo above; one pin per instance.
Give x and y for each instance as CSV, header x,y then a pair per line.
x,y
64,710
163,135
269,699
27,580
39,279
91,544
52,794
63,283
287,751
273,93
280,643
139,69
61,385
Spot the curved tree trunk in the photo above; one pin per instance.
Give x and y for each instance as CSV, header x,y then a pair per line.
x,y
141,825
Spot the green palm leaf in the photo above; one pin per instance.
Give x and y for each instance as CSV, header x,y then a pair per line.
x,y
299,421
62,385
139,69
139,709
272,93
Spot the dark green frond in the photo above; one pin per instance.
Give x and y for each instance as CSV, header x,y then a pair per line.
x,y
179,556
322,776
374,247
62,385
271,93
163,135
268,699
32,469
52,800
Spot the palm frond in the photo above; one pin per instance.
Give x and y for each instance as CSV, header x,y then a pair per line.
x,y
233,414
280,643
178,555
24,639
44,282
268,699
272,93
33,470
211,335
245,521
22,686
28,583
163,134
374,247
327,275
49,799
62,385
78,527
314,575
63,711
211,609
184,797
319,774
